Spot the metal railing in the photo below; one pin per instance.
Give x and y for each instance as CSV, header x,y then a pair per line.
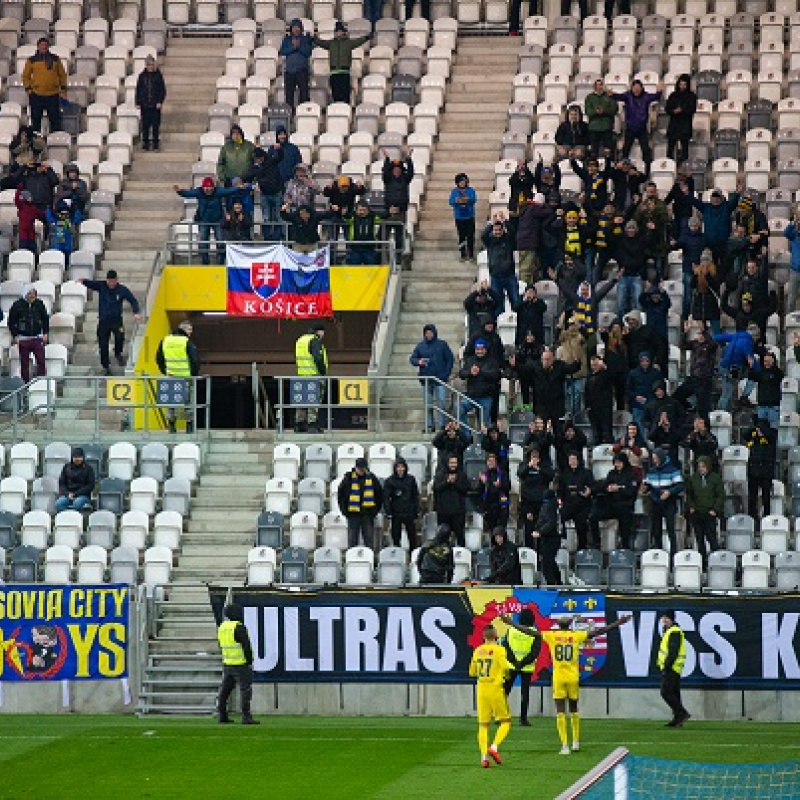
x,y
109,403
379,404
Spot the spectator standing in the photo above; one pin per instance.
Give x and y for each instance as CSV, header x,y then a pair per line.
x,y
29,326
791,232
303,227
424,9
575,496
638,337
634,446
340,58
266,173
692,242
546,532
60,233
450,489
451,441
530,313
300,190
397,175
680,107
701,443
601,109
480,303
534,481
177,357
514,14
637,116
702,365
27,214
740,347
615,499
524,361
652,216
76,483
769,377
533,215
434,360
45,81
495,487
360,499
40,180
599,399
462,201
571,347
291,154
401,502
663,484
111,295
540,437
572,135
761,443
296,49
617,359
73,188
373,11
717,221
151,92
520,189
362,235
209,215
549,380
608,8
481,371
632,260
755,225
235,158
656,303
499,243
705,506
705,285
435,559
640,388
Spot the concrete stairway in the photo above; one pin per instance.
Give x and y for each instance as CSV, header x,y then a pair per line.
x,y
474,121
183,668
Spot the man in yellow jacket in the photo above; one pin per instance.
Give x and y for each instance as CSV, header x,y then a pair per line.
x,y
45,81
237,665
671,658
177,358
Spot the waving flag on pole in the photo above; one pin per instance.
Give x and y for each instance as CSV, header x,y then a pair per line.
x,y
274,281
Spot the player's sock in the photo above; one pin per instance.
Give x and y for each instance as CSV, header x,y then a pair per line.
x,y
483,739
561,725
576,726
502,731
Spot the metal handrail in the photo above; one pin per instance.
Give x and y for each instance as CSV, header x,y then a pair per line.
x,y
46,410
375,404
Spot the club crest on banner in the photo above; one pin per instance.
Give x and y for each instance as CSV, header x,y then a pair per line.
x,y
265,278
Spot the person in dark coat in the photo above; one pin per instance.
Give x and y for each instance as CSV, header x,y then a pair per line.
x,y
599,400
680,108
495,488
534,480
548,380
530,313
360,499
451,441
769,378
296,48
639,338
539,438
546,531
692,242
575,496
616,359
497,443
267,174
29,326
480,302
151,92
572,135
571,439
523,362
450,489
499,243
397,176
701,443
401,503
434,360
637,115
520,189
76,483
717,213
615,497
655,302
482,375
435,559
504,560
680,198
761,442
522,652
705,506
534,214
641,388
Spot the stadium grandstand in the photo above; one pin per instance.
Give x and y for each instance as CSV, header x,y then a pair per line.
x,y
620,292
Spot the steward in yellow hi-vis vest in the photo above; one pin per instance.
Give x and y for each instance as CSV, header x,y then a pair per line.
x,y
671,659
311,359
177,357
237,665
522,650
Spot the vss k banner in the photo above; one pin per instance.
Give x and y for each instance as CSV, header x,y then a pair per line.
x,y
63,632
275,281
423,635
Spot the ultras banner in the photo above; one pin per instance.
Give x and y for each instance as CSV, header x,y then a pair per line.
x,y
63,632
418,635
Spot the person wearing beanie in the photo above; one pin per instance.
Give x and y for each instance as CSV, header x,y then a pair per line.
x,y
74,189
572,135
755,225
522,650
494,492
761,442
401,503
504,566
291,154
533,215
300,190
671,659
575,485
434,360
496,442
530,312
75,483
296,49
27,215
265,171
615,497
680,108
29,326
111,296
342,195
595,183
691,242
235,159
534,481
209,215
462,201
340,59
237,660
362,234
705,506
360,499
60,228
716,212
435,559
639,337
652,217
151,92
663,485
564,642
640,388
500,244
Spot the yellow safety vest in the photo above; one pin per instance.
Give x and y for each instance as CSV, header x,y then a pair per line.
x,y
304,359
232,651
520,644
176,361
664,649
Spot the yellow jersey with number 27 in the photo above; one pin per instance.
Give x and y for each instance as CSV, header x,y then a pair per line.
x,y
489,665
565,647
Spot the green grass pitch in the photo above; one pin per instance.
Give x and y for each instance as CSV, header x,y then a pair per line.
x,y
326,758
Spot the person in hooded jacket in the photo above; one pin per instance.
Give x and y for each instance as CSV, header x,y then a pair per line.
x,y
76,483
451,441
151,92
210,213
656,303
73,188
450,489
691,242
575,485
494,489
549,380
617,359
661,403
462,201
640,388
663,485
26,146
397,176
680,108
702,443
761,443
401,502
572,135
504,563
496,442
265,171
615,497
481,302
523,362
666,435
235,159
540,437
570,440
546,532
500,244
433,358
637,115
599,399
530,312
534,480
296,48
705,505
533,215
435,559
769,377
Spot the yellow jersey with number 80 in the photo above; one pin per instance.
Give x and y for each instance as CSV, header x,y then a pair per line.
x,y
489,665
565,647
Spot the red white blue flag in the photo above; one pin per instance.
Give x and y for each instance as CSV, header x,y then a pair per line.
x,y
274,281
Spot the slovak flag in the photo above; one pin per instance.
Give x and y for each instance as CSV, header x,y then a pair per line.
x,y
275,281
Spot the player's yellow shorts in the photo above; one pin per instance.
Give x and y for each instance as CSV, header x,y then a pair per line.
x,y
492,704
565,688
